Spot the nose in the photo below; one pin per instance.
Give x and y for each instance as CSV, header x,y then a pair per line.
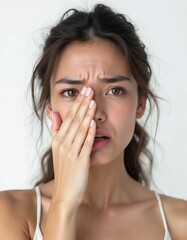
x,y
100,114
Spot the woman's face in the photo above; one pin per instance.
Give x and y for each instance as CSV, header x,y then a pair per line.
x,y
99,64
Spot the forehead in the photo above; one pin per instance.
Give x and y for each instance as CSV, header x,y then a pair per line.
x,y
98,55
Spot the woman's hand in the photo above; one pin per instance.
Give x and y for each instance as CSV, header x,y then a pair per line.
x,y
72,143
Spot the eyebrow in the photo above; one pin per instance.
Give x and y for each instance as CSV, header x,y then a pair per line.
x,y
114,79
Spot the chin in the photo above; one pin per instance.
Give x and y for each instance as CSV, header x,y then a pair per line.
x,y
97,163
107,156
98,158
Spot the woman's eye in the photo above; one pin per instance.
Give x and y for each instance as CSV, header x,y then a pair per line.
x,y
70,93
116,91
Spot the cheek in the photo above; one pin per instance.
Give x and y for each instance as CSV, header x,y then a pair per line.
x,y
125,122
125,119
62,107
62,113
126,113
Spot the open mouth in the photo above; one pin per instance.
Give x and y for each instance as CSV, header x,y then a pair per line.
x,y
100,141
100,137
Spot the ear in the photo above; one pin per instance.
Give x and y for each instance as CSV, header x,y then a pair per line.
x,y
141,107
48,110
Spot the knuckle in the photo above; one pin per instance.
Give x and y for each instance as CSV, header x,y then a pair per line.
x,y
89,115
84,102
70,114
88,143
61,148
69,155
64,144
82,128
58,142
86,121
55,142
89,140
78,119
65,148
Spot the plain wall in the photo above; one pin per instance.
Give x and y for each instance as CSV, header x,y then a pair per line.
x,y
161,26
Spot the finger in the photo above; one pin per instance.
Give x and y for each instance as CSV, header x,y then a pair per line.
x,y
83,129
56,123
71,117
81,121
88,143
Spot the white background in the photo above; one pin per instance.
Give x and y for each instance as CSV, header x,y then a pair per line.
x,y
162,27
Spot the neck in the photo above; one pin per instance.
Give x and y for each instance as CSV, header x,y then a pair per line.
x,y
108,185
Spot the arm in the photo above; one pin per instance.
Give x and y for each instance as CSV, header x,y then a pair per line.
x,y
12,224
61,222
179,220
72,143
176,211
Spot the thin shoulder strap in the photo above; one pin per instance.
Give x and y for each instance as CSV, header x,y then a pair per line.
x,y
162,212
39,203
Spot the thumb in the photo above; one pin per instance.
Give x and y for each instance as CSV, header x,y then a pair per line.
x,y
56,123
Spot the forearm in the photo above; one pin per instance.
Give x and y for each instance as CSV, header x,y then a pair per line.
x,y
60,223
71,161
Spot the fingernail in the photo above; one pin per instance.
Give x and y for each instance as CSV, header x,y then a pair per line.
x,y
83,91
92,103
92,123
88,91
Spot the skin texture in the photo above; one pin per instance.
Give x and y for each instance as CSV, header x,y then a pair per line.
x,y
106,203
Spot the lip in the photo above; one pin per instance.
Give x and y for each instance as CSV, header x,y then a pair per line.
x,y
102,132
99,144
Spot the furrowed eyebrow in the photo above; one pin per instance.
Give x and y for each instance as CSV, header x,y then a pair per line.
x,y
115,79
69,81
104,80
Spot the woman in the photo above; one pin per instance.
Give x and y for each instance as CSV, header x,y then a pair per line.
x,y
93,78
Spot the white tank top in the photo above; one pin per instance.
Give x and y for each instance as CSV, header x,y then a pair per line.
x,y
38,234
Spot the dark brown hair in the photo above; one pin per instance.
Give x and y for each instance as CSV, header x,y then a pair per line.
x,y
101,22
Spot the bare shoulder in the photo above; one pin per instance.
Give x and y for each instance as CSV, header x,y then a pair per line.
x,y
17,215
176,213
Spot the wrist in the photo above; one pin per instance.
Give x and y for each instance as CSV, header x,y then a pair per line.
x,y
64,206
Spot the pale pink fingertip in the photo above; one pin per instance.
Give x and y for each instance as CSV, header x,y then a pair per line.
x,y
83,91
91,105
92,123
88,92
